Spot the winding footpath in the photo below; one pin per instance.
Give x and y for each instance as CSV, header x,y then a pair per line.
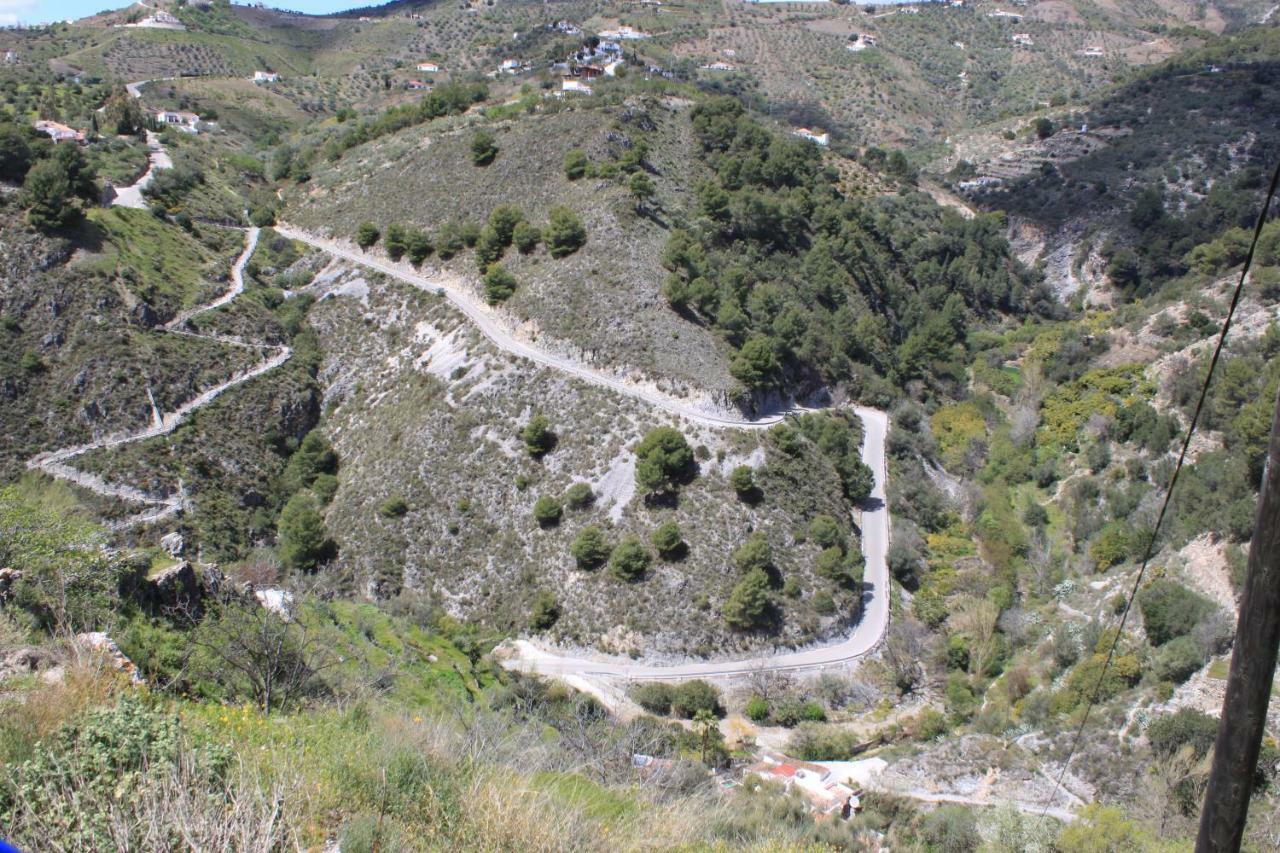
x,y
875,522
55,463
157,159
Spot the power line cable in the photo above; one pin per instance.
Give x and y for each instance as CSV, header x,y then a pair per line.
x,y
1168,495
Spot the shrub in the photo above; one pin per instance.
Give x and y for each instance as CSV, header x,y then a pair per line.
x,y
668,540
418,246
47,194
393,507
489,249
821,742
953,829
564,233
824,531
547,511
756,364
304,542
757,709
748,605
629,560
538,438
503,221
575,163
1115,544
754,555
526,237
499,284
743,481
484,147
395,241
654,696
1170,610
579,496
1168,733
1178,659
693,696
545,611
325,487
127,747
589,547
830,563
367,234
663,460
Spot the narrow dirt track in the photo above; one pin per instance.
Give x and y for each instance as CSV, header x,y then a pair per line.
x,y
55,462
528,656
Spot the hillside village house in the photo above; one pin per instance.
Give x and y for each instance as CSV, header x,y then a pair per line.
x,y
569,84
818,785
418,85
161,20
822,139
623,33
266,77
184,121
59,132
429,67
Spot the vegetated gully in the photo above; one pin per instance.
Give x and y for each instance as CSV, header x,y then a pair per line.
x,y
875,523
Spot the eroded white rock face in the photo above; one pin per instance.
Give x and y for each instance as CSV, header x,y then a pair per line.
x,y
173,544
278,601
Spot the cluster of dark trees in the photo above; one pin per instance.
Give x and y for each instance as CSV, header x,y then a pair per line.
x,y
56,179
804,282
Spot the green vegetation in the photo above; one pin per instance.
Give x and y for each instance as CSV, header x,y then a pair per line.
x,y
590,548
579,496
564,233
484,147
538,437
304,541
366,235
499,284
771,274
629,560
668,541
749,606
547,511
664,461
1170,610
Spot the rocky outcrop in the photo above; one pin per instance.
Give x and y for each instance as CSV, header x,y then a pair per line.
x,y
173,544
8,581
101,642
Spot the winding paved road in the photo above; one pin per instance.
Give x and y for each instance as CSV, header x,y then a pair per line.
x,y
55,462
528,656
158,158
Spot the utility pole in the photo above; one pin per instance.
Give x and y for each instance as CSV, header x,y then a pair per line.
x,y
1253,664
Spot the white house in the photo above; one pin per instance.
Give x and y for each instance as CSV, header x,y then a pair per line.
x,y
572,84
266,77
1022,39
823,139
184,121
59,132
429,67
623,33
161,20
717,66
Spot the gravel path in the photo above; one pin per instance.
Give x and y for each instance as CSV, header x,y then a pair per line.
x,y
528,656
55,462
